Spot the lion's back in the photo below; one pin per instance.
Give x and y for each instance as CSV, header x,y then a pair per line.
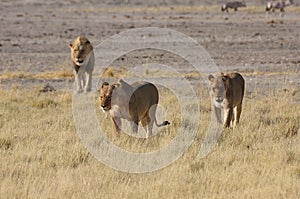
x,y
238,86
146,95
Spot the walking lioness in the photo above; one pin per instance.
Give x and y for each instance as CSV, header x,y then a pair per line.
x,y
227,92
83,60
134,102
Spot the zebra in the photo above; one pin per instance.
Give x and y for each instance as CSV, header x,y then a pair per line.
x,y
233,4
273,5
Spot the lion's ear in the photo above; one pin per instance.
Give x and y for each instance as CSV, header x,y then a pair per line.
x,y
87,42
211,78
105,84
121,81
116,85
225,78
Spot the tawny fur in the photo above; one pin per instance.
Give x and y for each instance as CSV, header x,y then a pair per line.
x,y
135,103
82,56
227,93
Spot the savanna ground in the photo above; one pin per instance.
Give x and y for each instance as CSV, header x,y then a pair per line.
x,y
42,155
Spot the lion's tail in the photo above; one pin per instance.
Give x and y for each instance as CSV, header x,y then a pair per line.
x,y
164,123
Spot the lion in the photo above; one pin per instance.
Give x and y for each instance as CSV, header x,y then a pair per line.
x,y
136,103
227,92
83,60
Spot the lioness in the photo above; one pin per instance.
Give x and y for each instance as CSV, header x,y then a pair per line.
x,y
227,92
136,102
83,60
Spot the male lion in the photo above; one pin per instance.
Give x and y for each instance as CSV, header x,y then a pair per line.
x,y
83,60
227,92
136,102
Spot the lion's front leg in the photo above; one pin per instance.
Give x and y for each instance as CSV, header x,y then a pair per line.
x,y
227,117
89,73
83,82
117,125
78,83
218,114
88,85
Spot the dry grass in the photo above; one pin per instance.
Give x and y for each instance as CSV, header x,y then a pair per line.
x,y
120,72
41,154
112,72
152,9
43,75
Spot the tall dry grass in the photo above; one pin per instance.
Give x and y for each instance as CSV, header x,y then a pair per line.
x,y
41,154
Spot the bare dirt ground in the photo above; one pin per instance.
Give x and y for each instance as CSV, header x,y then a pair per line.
x,y
35,36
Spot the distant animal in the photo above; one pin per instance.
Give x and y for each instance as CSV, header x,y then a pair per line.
x,y
83,60
136,103
227,93
273,5
233,5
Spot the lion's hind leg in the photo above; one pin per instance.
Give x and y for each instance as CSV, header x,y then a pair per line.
x,y
145,123
152,118
234,117
150,127
238,113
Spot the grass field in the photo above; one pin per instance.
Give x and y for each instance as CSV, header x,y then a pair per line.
x,y
41,154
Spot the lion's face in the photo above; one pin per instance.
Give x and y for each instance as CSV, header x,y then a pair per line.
x,y
80,50
218,89
118,94
106,92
